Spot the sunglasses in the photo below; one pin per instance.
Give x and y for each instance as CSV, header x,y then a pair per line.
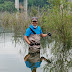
x,y
34,21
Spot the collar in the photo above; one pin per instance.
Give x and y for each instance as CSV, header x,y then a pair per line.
x,y
32,26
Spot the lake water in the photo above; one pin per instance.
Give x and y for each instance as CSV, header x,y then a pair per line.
x,y
12,56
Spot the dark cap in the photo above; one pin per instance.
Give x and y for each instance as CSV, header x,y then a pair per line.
x,y
34,18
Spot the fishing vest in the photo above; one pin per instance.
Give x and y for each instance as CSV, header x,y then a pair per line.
x,y
34,38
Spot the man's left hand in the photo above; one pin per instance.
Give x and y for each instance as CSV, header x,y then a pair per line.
x,y
49,34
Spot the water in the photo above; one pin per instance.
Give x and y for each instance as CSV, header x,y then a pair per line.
x,y
12,56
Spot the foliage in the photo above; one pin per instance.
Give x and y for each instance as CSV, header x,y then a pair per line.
x,y
58,21
1,1
15,21
7,6
37,3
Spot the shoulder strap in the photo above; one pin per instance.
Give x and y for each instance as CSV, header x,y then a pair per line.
x,y
32,30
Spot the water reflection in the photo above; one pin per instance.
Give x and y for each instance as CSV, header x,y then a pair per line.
x,y
12,57
33,60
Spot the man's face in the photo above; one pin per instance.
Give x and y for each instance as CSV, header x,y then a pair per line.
x,y
34,23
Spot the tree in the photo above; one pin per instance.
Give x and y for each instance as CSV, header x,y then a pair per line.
x,y
7,6
38,3
58,19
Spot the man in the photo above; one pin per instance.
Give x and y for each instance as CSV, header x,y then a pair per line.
x,y
32,36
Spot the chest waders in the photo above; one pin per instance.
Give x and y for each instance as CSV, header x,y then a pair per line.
x,y
35,49
34,38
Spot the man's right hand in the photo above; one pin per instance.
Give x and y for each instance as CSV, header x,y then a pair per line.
x,y
26,39
31,44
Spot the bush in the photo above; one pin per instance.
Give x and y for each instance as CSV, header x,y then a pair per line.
x,y
7,6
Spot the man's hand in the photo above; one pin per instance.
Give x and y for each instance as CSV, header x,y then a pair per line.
x,y
31,44
49,34
26,39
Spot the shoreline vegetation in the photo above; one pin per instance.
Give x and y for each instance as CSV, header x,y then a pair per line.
x,y
57,20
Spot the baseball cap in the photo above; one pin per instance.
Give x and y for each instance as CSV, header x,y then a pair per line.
x,y
34,18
